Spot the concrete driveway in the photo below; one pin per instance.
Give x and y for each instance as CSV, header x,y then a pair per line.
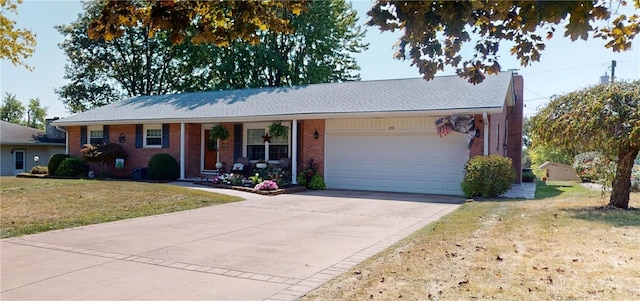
x,y
264,248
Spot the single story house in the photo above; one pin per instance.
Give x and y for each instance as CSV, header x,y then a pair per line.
x,y
401,135
559,172
21,145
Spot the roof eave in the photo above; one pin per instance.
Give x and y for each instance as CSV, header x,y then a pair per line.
x,y
331,115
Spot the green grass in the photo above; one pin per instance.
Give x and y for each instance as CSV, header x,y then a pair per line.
x,y
551,189
32,205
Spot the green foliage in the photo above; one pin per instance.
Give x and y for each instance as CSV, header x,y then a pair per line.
x,y
16,44
306,175
595,168
434,33
487,176
276,129
218,131
603,118
163,167
55,162
12,109
39,170
256,179
72,167
36,114
528,176
317,183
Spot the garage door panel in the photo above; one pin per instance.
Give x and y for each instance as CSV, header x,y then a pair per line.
x,y
403,162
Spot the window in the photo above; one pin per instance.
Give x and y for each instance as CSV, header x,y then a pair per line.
x,y
153,135
255,144
257,149
278,148
95,135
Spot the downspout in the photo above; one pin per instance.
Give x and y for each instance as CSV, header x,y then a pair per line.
x,y
294,151
66,139
486,133
182,144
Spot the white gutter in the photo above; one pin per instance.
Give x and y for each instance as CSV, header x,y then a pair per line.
x,y
66,139
486,133
294,151
269,118
182,155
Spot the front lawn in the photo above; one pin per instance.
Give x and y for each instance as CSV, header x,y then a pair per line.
x,y
36,205
563,246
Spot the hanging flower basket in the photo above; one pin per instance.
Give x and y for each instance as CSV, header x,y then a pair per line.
x,y
219,132
276,129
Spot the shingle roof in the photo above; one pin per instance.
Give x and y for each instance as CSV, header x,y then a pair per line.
x,y
446,93
11,133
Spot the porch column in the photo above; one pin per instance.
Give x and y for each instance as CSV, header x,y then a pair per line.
x,y
485,120
182,145
294,152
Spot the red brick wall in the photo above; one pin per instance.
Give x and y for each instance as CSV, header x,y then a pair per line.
x,y
477,149
139,157
193,139
226,148
514,139
312,148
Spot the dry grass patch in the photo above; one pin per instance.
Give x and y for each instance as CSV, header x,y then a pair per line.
x,y
36,205
566,247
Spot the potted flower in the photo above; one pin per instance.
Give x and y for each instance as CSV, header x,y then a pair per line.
x,y
218,131
276,129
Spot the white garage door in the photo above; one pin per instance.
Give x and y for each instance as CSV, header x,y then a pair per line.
x,y
416,162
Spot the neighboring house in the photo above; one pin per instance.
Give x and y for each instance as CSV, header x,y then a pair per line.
x,y
19,145
403,135
559,172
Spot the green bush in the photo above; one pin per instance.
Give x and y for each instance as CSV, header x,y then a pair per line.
x,y
39,170
487,176
594,167
317,183
55,161
528,176
73,167
163,167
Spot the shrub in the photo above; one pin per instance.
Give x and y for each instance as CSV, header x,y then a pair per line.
x,y
163,167
73,167
487,176
594,167
55,161
528,176
39,170
317,183
310,170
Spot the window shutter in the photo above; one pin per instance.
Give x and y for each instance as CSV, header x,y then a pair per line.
x,y
237,141
83,136
105,134
139,136
165,135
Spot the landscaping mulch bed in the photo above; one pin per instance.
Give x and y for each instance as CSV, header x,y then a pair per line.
x,y
286,190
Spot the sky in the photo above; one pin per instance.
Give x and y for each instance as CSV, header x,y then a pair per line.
x,y
564,66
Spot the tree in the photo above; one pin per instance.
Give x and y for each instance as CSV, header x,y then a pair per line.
x,y
103,153
12,109
218,22
15,44
604,118
435,31
133,64
36,114
318,51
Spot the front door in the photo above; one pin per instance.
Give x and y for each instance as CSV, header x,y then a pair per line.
x,y
210,152
18,161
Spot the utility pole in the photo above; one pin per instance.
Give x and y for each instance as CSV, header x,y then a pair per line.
x,y
613,70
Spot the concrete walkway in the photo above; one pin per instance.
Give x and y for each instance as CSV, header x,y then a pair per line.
x,y
526,190
264,248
